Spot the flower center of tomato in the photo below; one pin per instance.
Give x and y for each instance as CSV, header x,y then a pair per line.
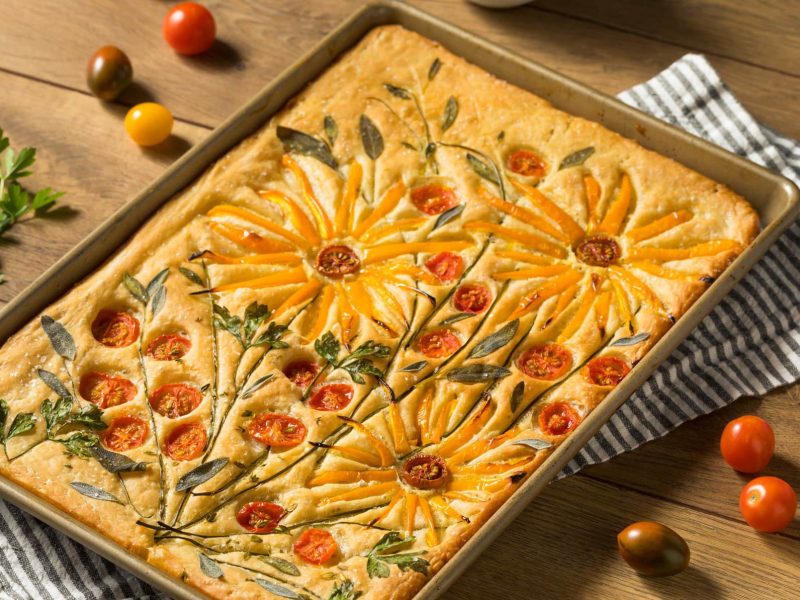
x,y
337,261
598,251
425,471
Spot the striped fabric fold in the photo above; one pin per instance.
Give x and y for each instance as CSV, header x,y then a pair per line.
x,y
748,345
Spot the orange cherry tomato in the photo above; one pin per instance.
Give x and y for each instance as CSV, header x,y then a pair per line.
x,y
747,444
472,298
526,163
546,361
768,504
315,546
189,28
276,431
115,329
106,390
260,517
332,397
186,441
433,199
607,370
148,123
174,400
558,418
125,433
439,343
425,471
168,346
301,372
446,266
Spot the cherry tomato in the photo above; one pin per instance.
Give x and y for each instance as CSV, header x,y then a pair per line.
x,y
315,546
526,163
168,346
301,372
547,361
337,261
446,266
189,28
106,390
425,471
653,549
768,504
125,433
439,343
433,198
109,72
276,431
472,298
332,397
186,441
558,418
598,251
148,123
607,370
747,444
174,400
115,329
260,517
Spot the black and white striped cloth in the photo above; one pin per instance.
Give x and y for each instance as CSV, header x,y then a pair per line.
x,y
749,345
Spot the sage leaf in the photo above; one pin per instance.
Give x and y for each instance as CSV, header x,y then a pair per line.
x,y
397,92
135,288
257,385
414,367
477,373
482,169
302,143
371,137
448,215
576,158
331,129
156,282
456,318
60,338
277,589
631,341
54,383
281,564
209,567
407,562
450,113
492,343
22,423
517,395
434,68
158,301
114,462
93,492
533,443
201,474
191,276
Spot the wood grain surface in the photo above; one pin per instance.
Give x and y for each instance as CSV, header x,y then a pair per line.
x,y
563,546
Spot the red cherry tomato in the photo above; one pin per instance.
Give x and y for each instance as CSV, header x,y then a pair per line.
x,y
425,471
315,546
433,199
472,298
747,444
189,28
115,329
332,397
526,163
547,361
607,370
174,400
768,504
106,390
169,346
260,517
276,431
446,266
148,123
301,372
558,418
125,433
186,442
439,343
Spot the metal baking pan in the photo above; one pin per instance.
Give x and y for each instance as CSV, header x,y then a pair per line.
x,y
773,197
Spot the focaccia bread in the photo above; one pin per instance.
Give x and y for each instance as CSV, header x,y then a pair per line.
x,y
318,370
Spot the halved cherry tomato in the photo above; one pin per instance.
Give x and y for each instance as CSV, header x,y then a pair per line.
x,y
546,361
301,372
315,546
747,444
332,397
276,431
106,390
337,261
607,370
174,400
186,442
108,72
425,471
148,123
433,198
768,504
168,346
115,329
446,266
189,28
653,549
125,433
526,163
558,418
439,343
472,298
260,517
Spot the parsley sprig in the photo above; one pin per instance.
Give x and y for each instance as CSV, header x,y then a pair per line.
x,y
358,363
381,556
244,328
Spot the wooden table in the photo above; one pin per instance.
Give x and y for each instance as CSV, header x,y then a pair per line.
x,y
563,546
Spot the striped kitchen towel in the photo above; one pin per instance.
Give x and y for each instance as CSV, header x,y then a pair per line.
x,y
748,345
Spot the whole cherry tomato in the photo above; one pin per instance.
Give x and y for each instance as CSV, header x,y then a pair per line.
x,y
747,444
768,504
109,72
189,28
148,123
653,549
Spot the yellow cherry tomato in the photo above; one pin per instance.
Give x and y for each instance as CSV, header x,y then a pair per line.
x,y
148,123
